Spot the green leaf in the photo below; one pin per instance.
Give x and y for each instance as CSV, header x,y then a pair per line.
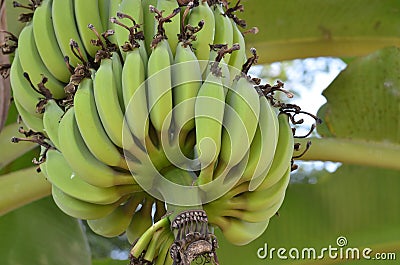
x,y
359,203
360,120
299,29
41,234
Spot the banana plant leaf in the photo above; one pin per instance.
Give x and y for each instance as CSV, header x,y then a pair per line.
x,y
341,28
40,234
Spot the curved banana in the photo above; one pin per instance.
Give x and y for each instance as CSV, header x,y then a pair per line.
x,y
118,220
22,90
186,82
51,120
87,12
149,23
172,28
46,42
209,114
117,69
32,122
283,153
134,9
82,161
239,57
223,29
104,11
81,209
60,174
269,137
33,64
112,12
205,36
141,221
239,232
107,104
159,87
240,120
134,95
92,130
66,29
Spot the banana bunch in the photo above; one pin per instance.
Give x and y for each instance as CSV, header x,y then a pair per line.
x,y
137,97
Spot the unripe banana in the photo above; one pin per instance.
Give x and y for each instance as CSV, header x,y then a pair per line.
x,y
205,36
149,23
51,120
87,12
31,121
81,160
241,118
186,82
107,103
27,97
46,42
265,143
172,28
60,174
104,10
223,29
66,29
118,220
112,12
134,95
159,84
33,64
283,154
239,57
239,232
141,221
209,113
81,209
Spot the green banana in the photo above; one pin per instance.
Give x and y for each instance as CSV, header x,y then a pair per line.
x,y
112,12
209,114
172,28
31,121
33,64
141,221
164,257
104,10
117,70
159,85
66,29
269,135
239,57
283,154
81,209
82,161
91,129
205,36
46,42
22,90
149,23
134,9
60,174
239,232
223,29
87,12
117,221
134,95
107,104
51,119
186,82
241,118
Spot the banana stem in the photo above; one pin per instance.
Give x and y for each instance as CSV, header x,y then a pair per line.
x,y
22,187
357,152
